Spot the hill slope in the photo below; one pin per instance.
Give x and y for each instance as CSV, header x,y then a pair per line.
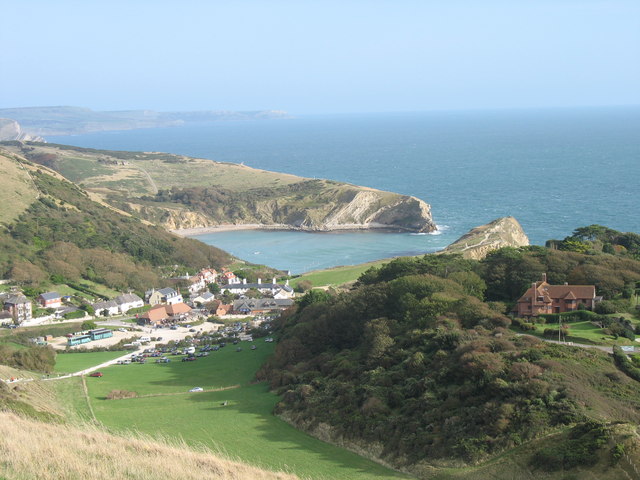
x,y
179,192
415,370
51,227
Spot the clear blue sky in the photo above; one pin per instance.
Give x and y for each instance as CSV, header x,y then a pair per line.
x,y
320,56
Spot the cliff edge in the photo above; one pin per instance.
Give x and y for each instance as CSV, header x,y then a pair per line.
x,y
11,130
479,241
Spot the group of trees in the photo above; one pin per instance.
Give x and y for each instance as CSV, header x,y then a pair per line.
x,y
418,356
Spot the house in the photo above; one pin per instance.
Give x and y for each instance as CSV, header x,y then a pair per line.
x,y
108,307
196,284
6,318
223,310
253,306
128,301
202,298
273,289
229,277
208,275
164,296
164,313
50,300
543,298
19,307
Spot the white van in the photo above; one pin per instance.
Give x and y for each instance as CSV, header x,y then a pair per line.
x,y
144,339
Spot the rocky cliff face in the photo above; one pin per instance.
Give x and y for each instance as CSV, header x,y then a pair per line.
x,y
368,209
477,243
11,130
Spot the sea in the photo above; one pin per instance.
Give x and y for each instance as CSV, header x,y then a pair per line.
x,y
552,169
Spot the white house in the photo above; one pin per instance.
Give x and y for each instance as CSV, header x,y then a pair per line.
x,y
164,296
202,298
108,306
283,291
128,301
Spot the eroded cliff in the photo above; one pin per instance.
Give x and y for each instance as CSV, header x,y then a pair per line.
x,y
478,242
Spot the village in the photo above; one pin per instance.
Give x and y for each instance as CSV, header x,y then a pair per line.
x,y
172,309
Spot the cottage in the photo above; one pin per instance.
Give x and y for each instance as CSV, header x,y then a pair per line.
x,y
128,301
164,296
50,300
109,307
273,289
203,298
19,307
251,306
543,298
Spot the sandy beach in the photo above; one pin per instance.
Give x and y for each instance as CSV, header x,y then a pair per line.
x,y
189,232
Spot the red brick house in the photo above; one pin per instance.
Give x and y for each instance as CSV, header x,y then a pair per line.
x,y
543,298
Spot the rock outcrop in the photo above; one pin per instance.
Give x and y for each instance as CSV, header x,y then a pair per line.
x,y
11,130
478,242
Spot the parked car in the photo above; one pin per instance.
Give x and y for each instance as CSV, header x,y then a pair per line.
x,y
253,347
196,389
95,374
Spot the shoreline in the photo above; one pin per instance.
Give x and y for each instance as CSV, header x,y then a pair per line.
x,y
192,232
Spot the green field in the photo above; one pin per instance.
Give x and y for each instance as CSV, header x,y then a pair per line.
x,y
332,277
584,332
74,362
244,429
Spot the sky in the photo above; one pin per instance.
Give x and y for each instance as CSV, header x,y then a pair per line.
x,y
327,56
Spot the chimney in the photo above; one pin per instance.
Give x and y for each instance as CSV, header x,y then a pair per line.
x,y
244,281
259,281
274,280
566,283
544,277
287,282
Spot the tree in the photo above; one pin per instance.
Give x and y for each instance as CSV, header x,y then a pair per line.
x,y
27,273
88,325
213,288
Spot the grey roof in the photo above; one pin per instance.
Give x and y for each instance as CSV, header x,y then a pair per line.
x,y
287,288
206,295
50,295
105,304
16,299
127,298
257,286
169,292
261,303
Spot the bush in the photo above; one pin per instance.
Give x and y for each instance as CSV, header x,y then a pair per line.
x,y
76,314
88,325
120,394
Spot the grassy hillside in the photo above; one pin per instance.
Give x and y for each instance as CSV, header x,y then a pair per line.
x,y
34,449
182,192
57,230
244,428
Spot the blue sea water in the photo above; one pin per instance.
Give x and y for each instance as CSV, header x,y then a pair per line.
x,y
554,170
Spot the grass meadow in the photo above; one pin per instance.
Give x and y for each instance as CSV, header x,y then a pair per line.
x,y
244,429
74,362
336,276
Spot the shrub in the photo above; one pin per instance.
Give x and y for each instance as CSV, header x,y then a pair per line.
x,y
120,394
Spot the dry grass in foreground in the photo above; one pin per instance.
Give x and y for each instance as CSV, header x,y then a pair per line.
x,y
31,449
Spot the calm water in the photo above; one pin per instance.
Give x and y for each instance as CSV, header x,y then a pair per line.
x,y
554,170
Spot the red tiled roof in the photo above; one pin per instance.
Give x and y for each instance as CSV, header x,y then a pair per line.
x,y
178,308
